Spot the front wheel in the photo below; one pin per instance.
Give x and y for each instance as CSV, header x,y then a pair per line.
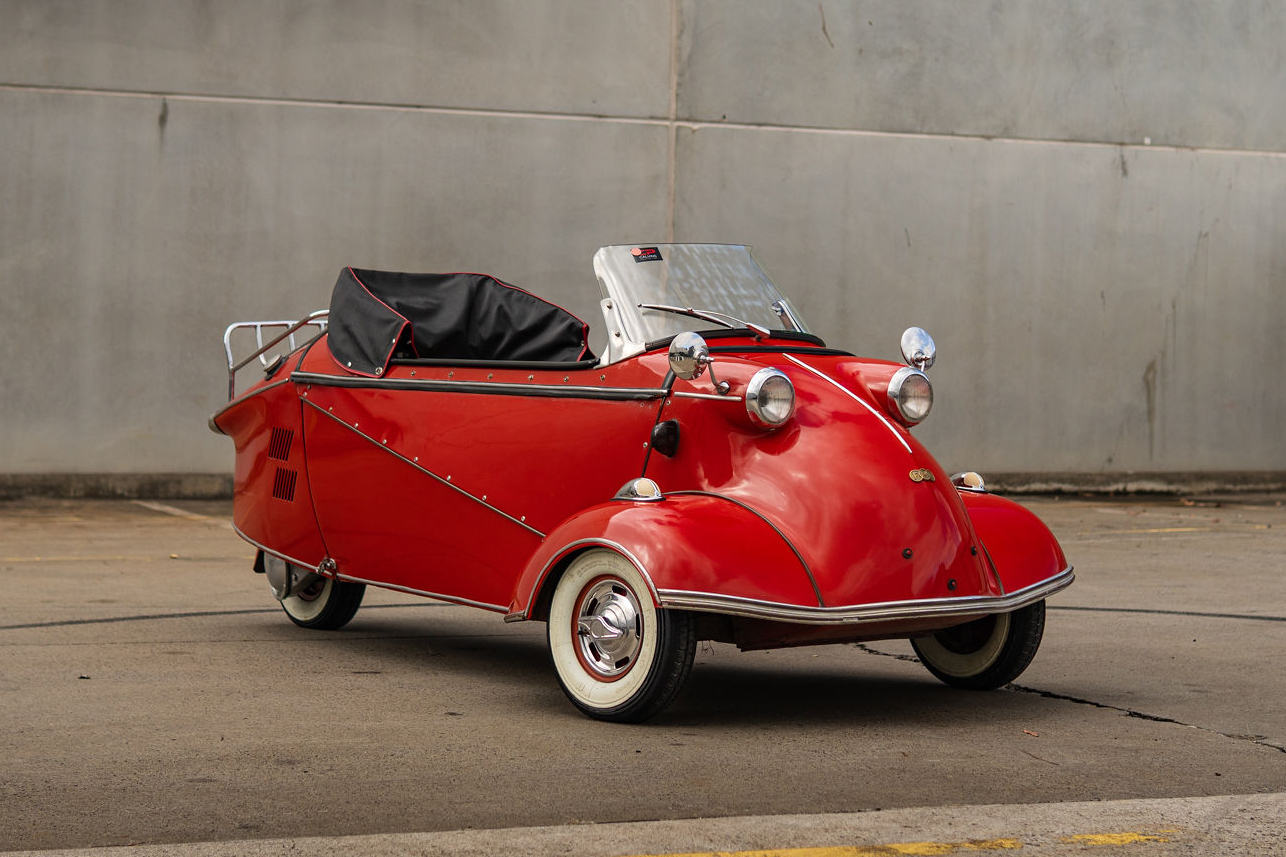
x,y
985,653
618,657
324,604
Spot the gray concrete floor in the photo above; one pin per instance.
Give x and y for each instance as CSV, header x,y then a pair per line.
x,y
152,692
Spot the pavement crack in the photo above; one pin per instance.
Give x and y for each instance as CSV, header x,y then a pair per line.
x,y
1245,617
1039,759
1259,740
150,617
895,655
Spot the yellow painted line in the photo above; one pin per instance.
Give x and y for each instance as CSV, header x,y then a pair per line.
x,y
1113,838
893,849
934,849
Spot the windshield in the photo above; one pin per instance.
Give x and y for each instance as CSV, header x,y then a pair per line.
x,y
721,280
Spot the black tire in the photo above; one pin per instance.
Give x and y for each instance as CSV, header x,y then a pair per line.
x,y
618,657
325,604
986,653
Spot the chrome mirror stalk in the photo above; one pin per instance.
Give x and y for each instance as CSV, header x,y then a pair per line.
x,y
918,348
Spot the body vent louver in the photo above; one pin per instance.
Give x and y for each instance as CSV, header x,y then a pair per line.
x,y
283,487
279,443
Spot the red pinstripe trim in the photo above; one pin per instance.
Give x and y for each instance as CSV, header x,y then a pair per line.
x,y
400,331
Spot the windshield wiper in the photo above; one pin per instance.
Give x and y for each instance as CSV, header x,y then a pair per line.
x,y
720,318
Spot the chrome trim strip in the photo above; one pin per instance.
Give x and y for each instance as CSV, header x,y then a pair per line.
x,y
424,470
245,397
891,611
494,388
995,572
711,396
495,608
562,552
817,592
837,385
278,554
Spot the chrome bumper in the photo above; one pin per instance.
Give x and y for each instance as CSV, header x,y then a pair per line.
x,y
889,611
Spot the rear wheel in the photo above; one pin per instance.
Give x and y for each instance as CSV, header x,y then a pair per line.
x,y
985,653
618,657
324,604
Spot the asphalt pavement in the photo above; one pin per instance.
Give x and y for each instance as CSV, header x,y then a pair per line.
x,y
152,695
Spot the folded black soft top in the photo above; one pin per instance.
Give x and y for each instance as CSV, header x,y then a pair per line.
x,y
446,316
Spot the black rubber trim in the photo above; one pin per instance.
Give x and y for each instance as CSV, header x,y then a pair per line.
x,y
305,348
668,384
774,349
549,365
484,388
743,333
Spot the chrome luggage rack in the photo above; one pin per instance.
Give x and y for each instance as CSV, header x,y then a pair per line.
x,y
316,319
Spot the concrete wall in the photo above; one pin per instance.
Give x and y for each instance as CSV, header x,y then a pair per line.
x,y
1081,201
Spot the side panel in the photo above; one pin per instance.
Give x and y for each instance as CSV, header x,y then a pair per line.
x,y
1021,546
272,504
444,480
390,523
690,543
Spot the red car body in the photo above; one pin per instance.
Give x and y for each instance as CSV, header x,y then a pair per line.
x,y
482,479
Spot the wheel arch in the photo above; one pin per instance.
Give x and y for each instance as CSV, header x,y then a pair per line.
x,y
683,543
547,579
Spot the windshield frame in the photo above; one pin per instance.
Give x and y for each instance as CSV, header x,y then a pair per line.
x,y
724,279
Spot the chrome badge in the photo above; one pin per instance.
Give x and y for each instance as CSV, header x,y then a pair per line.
x,y
922,474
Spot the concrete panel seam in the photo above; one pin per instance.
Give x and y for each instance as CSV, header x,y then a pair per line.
x,y
337,105
696,125
672,130
672,124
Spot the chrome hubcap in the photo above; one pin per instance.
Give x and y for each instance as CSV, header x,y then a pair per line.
x,y
608,629
312,591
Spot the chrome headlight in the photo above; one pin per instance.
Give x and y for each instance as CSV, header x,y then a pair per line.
x,y
770,398
911,392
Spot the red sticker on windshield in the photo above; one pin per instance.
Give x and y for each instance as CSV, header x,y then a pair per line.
x,y
646,254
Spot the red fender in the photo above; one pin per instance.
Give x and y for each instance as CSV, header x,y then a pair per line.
x,y
682,543
1021,547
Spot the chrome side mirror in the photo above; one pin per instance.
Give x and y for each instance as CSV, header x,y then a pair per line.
x,y
689,355
918,349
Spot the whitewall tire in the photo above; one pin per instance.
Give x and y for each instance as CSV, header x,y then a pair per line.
x,y
985,653
324,604
618,657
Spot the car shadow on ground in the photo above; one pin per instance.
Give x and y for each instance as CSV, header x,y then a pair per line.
x,y
751,694
842,684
